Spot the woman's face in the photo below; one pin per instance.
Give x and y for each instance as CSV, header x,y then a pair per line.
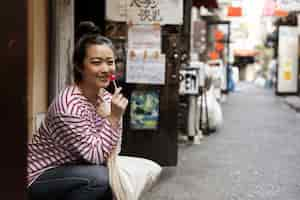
x,y
98,65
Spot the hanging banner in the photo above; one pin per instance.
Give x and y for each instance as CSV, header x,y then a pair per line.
x,y
289,5
287,60
145,12
144,37
145,67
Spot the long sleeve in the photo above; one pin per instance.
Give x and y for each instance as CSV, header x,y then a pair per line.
x,y
82,138
75,125
72,131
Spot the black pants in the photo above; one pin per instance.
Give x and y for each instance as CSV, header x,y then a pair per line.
x,y
72,182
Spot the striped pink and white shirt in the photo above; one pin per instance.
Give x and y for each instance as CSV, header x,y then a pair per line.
x,y
71,132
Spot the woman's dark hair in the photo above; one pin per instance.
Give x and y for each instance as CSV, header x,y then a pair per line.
x,y
87,34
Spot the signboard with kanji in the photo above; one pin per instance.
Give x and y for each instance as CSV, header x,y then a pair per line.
x,y
145,11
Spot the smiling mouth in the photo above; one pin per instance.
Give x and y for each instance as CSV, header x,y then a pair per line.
x,y
103,78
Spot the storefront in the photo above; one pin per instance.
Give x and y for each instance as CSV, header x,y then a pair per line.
x,y
150,47
287,55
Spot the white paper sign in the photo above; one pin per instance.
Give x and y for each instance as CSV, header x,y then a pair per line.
x,y
288,60
145,67
144,37
189,83
145,12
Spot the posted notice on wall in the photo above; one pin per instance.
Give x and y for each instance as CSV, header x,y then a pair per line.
x,y
145,67
144,37
145,12
288,59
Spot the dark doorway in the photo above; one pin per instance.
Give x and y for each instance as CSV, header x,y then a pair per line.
x,y
13,88
90,10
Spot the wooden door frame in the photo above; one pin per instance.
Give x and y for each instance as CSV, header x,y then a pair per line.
x,y
14,92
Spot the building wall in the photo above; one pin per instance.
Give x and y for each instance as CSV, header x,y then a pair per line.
x,y
13,87
37,62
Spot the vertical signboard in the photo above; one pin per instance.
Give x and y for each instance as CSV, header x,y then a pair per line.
x,y
287,69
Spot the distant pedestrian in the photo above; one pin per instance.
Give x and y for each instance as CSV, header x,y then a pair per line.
x,y
271,75
231,83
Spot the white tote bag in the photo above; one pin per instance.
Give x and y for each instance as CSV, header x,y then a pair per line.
x,y
119,182
129,177
215,115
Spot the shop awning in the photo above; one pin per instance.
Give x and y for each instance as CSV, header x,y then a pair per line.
x,y
205,3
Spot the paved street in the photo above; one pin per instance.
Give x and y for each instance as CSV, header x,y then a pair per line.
x,y
255,156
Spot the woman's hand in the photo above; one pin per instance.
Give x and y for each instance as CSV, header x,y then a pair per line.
x,y
118,107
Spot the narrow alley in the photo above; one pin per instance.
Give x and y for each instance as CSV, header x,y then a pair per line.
x,y
256,154
150,100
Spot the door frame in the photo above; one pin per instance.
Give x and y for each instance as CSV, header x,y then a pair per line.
x,y
14,51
